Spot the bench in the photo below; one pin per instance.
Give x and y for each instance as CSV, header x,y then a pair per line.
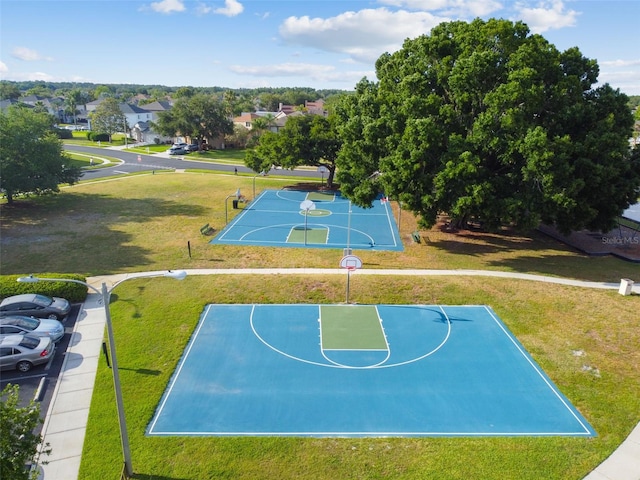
x,y
207,230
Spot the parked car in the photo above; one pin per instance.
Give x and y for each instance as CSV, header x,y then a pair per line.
x,y
193,147
22,352
40,327
179,145
178,151
35,305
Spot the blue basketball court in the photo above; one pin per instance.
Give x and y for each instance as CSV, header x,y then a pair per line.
x,y
292,218
360,370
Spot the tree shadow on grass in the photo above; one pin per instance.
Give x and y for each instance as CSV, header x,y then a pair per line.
x,y
78,232
478,243
147,476
534,253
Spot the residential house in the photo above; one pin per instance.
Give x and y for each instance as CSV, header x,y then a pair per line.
x,y
139,120
4,104
314,108
277,119
142,132
54,106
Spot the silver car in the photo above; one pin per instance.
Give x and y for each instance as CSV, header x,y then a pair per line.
x,y
40,327
21,352
35,305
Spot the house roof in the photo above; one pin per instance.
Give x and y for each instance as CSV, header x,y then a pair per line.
x,y
4,104
157,106
130,108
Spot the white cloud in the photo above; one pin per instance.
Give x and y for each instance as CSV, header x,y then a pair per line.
x,y
364,35
548,15
282,69
3,67
622,74
168,6
627,81
620,63
456,8
31,76
231,8
315,72
203,9
28,55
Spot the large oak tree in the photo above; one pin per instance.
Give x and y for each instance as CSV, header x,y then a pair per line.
x,y
484,120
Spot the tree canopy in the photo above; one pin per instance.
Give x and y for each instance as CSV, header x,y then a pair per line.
x,y
483,120
18,441
197,116
108,118
304,140
32,160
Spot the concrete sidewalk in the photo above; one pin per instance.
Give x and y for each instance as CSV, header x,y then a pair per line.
x,y
65,423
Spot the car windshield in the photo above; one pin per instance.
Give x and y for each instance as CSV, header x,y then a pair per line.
x,y
42,300
30,342
28,322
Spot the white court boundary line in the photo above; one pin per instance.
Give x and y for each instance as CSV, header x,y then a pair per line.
x,y
157,415
176,374
536,368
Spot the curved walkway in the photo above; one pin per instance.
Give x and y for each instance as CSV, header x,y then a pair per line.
x,y
65,422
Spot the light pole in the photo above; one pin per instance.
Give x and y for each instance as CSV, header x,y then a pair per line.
x,y
106,296
226,208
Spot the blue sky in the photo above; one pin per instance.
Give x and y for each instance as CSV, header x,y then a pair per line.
x,y
281,43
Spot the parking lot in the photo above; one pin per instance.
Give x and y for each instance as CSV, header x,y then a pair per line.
x,y
41,380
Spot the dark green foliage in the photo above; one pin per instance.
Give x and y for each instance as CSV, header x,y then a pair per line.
x,y
483,120
98,137
19,444
108,118
196,116
32,159
63,133
304,140
74,292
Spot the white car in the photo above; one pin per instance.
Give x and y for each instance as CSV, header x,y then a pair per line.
x,y
41,327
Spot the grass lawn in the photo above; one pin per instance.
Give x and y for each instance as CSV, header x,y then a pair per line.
x,y
586,340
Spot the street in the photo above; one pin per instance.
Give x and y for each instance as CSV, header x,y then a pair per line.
x,y
136,162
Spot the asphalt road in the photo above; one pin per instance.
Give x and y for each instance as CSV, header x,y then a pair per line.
x,y
134,162
45,375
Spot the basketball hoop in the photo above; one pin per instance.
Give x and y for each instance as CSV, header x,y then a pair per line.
x,y
351,263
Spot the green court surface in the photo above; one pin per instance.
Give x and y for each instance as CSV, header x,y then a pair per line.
x,y
344,328
309,235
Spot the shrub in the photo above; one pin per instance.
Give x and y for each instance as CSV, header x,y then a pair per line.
x,y
63,133
98,137
74,292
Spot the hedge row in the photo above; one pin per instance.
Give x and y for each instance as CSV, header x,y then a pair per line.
x,y
74,292
98,137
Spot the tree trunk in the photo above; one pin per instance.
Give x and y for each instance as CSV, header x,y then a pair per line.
x,y
332,171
